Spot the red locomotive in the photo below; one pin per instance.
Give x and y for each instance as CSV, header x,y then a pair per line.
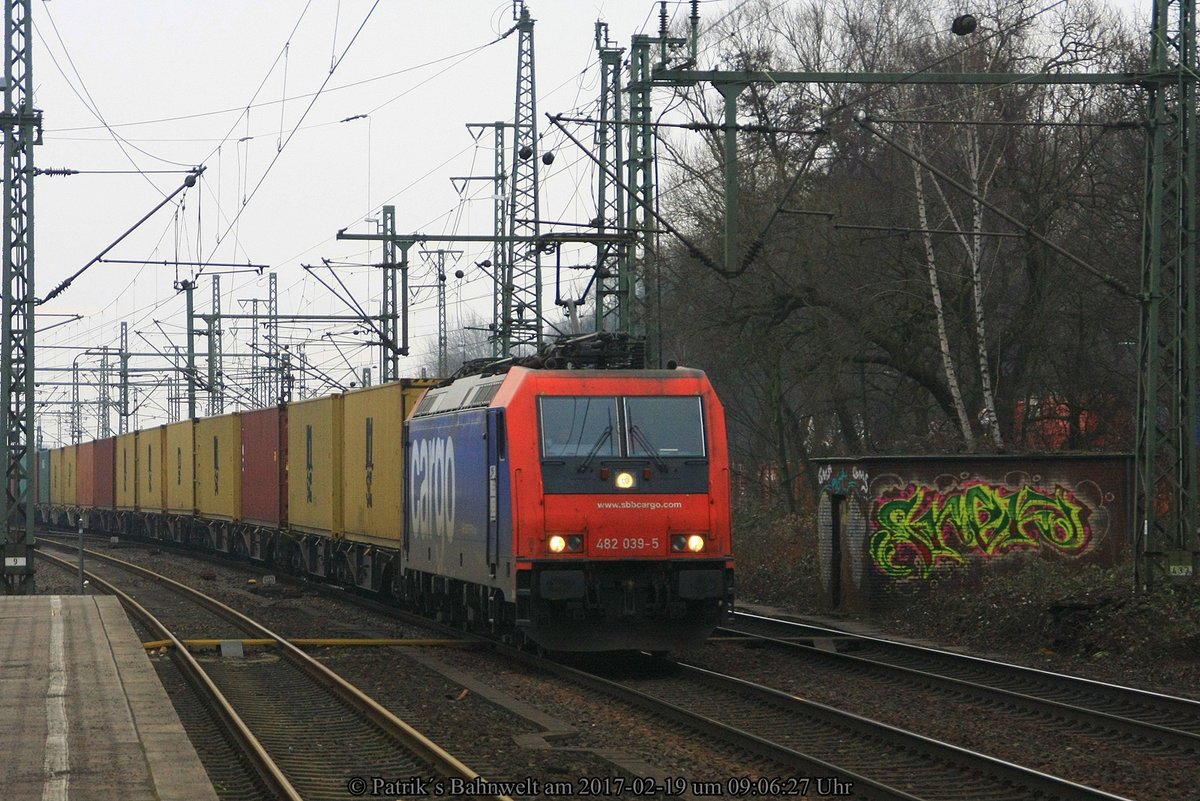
x,y
585,509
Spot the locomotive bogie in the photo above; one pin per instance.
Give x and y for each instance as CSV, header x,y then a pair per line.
x,y
644,605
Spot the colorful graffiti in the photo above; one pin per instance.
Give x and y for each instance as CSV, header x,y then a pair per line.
x,y
920,528
842,483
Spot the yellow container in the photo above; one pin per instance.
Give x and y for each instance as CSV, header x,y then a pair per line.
x,y
314,463
219,467
55,457
126,471
180,467
373,458
152,496
58,477
71,471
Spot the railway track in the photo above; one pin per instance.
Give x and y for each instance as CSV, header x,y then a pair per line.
x,y
832,751
1158,723
311,750
818,750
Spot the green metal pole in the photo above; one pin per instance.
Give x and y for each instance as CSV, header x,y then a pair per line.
x,y
1165,537
613,297
22,125
639,181
730,92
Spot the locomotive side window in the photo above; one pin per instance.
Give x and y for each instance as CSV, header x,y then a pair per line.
x,y
579,427
664,426
501,437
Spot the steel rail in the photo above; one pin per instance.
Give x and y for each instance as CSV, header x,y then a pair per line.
x,y
1023,782
276,782
1030,783
804,764
360,701
1151,733
1147,700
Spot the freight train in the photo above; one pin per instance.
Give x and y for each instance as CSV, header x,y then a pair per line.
x,y
569,509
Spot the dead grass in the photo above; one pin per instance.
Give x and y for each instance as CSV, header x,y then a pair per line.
x,y
777,559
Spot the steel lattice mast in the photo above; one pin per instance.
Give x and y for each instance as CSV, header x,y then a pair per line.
x,y
216,368
521,323
22,130
104,402
274,387
124,411
500,249
1166,407
389,354
613,296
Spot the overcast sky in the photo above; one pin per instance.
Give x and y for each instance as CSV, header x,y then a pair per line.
x,y
173,81
140,87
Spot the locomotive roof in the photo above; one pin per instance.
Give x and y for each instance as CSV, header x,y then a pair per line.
x,y
477,391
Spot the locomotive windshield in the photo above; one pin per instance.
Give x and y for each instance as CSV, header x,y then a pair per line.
x,y
599,427
664,426
579,427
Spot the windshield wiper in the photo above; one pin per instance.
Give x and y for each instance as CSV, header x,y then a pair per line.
x,y
587,462
642,440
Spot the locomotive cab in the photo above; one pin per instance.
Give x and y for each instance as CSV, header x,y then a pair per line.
x,y
635,529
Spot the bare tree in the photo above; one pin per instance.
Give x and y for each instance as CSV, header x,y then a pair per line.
x,y
892,310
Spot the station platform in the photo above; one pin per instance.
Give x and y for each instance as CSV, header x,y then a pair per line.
x,y
83,715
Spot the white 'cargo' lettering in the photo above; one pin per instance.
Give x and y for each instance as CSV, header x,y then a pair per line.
x,y
434,495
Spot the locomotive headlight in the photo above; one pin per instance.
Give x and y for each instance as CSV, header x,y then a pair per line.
x,y
624,480
568,543
687,542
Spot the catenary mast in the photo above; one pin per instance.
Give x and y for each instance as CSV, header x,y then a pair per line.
x,y
22,130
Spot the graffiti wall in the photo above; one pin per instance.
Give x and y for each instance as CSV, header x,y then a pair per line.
x,y
900,525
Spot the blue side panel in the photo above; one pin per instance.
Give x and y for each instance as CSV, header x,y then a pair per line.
x,y
505,509
447,509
